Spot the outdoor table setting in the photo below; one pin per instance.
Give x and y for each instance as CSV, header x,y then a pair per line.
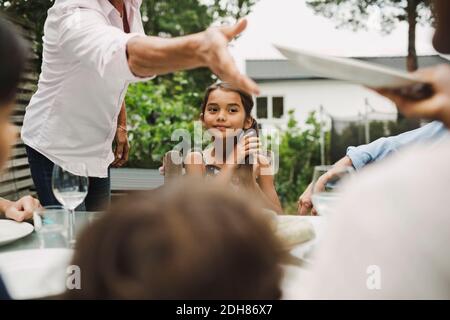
x,y
34,265
35,259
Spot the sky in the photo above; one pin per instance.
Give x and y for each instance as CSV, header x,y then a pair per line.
x,y
292,23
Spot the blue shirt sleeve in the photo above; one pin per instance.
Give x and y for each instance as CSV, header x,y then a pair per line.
x,y
380,148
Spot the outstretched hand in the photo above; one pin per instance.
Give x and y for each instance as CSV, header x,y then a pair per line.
x,y
218,58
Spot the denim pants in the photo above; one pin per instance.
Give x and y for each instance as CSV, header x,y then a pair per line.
x,y
99,192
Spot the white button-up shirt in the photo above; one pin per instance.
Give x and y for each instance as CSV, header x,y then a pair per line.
x,y
72,118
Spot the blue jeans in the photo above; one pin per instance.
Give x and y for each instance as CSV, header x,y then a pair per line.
x,y
99,192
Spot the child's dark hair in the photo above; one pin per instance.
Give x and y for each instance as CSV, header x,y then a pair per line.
x,y
12,61
188,240
247,100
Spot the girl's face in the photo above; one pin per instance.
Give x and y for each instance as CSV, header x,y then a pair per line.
x,y
225,113
8,134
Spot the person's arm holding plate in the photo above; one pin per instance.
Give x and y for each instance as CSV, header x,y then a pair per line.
x,y
436,107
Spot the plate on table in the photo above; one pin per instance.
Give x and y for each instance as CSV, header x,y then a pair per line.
x,y
353,70
294,230
11,230
33,274
304,250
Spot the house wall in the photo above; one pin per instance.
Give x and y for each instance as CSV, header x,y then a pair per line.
x,y
340,99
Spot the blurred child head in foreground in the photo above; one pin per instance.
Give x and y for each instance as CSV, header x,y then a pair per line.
x,y
12,63
189,241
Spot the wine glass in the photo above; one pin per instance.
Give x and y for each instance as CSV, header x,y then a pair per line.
x,y
327,191
70,186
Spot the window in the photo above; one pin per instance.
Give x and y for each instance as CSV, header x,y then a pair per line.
x,y
277,107
261,107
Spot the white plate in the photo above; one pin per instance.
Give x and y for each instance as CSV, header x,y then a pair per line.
x,y
304,250
352,70
32,274
12,230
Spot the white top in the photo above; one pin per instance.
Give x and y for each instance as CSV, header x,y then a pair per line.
x,y
72,117
390,235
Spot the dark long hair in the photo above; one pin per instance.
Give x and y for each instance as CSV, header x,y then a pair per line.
x,y
12,61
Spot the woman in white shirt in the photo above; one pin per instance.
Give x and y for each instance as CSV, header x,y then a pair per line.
x,y
93,49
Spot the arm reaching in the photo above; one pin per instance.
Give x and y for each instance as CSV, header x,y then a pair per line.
x,y
153,55
305,205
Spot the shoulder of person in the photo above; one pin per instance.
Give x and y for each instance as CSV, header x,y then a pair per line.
x,y
67,6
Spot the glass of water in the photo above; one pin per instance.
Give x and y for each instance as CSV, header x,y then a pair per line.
x,y
70,187
327,190
51,225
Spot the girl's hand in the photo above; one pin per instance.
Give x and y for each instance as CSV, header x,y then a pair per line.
x,y
262,166
247,146
264,161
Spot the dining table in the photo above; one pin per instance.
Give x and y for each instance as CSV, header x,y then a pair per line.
x,y
33,267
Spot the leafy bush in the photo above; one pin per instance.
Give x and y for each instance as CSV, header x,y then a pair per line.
x,y
299,152
354,134
155,111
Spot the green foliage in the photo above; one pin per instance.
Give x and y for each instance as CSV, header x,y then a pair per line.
x,y
33,12
377,130
355,13
172,18
354,134
165,18
299,152
154,113
403,125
